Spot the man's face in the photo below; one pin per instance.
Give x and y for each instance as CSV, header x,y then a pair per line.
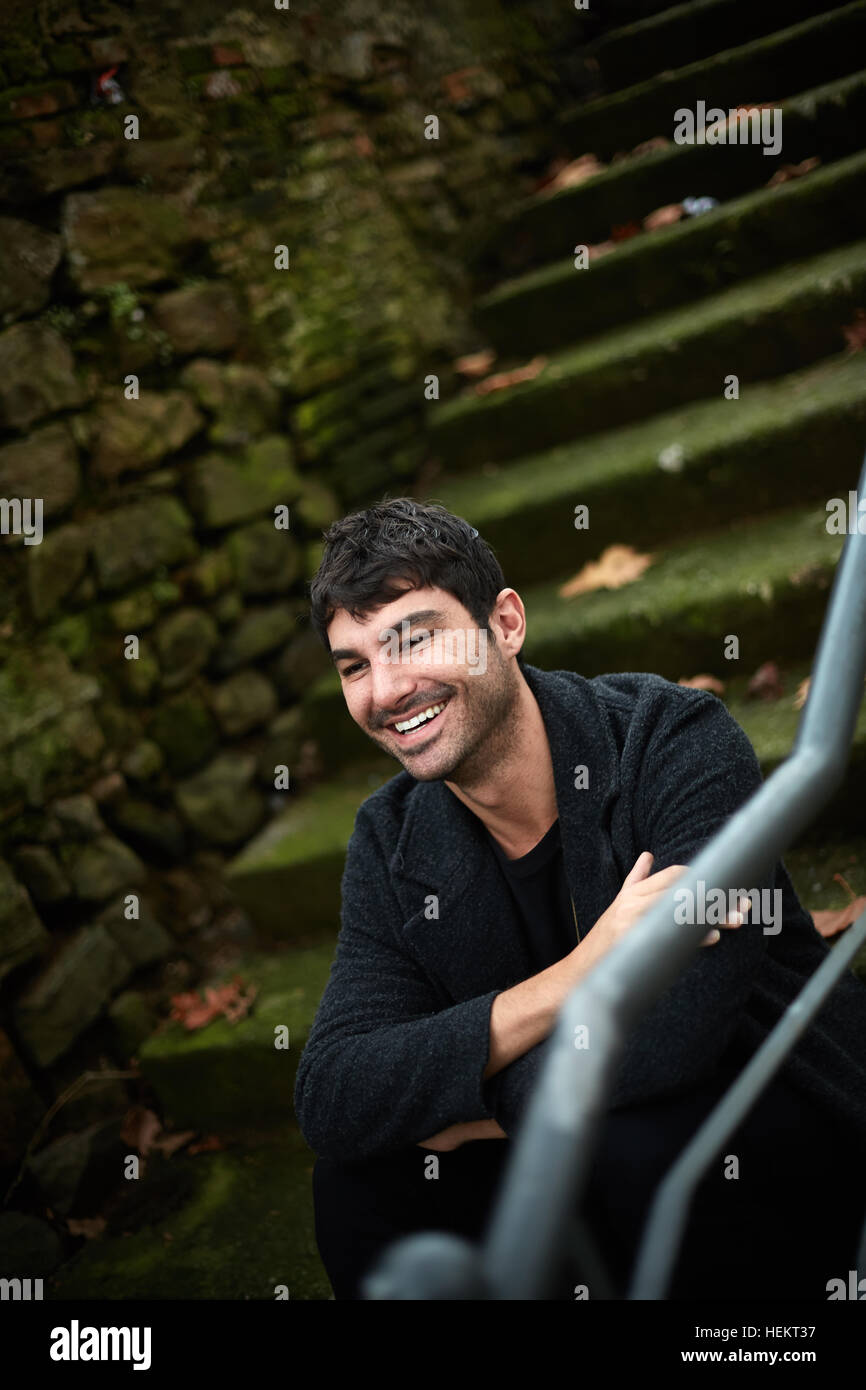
x,y
422,651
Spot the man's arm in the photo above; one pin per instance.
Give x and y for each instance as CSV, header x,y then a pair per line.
x,y
698,770
385,1066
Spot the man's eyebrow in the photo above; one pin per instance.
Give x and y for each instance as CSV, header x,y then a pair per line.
x,y
423,615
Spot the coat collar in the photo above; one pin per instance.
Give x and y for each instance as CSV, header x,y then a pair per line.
x,y
441,840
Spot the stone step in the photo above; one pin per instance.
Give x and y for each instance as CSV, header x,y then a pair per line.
x,y
791,317
228,1075
313,832
764,580
687,33
768,69
229,1225
558,305
826,122
771,727
680,473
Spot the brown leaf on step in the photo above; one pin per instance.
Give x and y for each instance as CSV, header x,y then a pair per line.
x,y
364,145
456,84
502,380
854,332
793,171
170,1143
210,1144
625,231
655,142
140,1129
475,363
704,682
830,922
616,566
802,693
577,171
663,217
91,1227
600,249
765,683
228,1000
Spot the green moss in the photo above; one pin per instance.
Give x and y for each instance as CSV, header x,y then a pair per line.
x,y
731,459
558,304
627,374
232,1074
260,1188
71,634
299,857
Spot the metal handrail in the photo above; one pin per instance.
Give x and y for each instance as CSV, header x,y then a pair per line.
x,y
554,1148
667,1220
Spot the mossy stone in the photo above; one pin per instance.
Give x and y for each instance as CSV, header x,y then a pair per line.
x,y
131,542
266,560
242,702
184,642
186,732
219,803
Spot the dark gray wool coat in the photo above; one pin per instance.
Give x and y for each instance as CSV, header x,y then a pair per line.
x,y
401,1037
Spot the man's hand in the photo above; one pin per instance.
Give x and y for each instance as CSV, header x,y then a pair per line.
x,y
639,891
455,1135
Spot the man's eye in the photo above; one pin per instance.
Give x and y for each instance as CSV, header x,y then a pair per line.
x,y
418,637
347,670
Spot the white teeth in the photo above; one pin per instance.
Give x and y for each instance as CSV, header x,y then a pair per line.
x,y
420,718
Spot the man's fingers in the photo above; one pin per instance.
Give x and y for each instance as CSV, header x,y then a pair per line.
x,y
733,919
657,883
640,868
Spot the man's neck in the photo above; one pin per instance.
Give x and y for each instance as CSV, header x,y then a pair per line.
x,y
517,801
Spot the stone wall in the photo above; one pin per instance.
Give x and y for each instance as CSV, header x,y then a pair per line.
x,y
169,381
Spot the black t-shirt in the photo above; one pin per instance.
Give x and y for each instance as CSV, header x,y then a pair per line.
x,y
540,889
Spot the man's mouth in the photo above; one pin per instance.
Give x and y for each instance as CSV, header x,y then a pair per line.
x,y
411,727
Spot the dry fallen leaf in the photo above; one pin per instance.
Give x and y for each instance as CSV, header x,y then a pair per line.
x,y
704,682
457,85
625,231
730,119
854,332
766,683
170,1143
211,1143
802,693
193,1012
793,171
663,217
577,171
655,142
601,248
830,922
88,1226
475,363
502,380
140,1128
616,566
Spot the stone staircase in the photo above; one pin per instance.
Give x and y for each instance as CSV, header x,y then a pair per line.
x,y
627,416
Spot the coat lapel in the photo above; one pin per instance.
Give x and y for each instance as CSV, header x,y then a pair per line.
x,y
477,942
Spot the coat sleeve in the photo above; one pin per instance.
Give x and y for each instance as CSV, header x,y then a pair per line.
x,y
697,769
385,1066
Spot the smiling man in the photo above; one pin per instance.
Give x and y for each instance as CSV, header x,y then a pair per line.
x,y
537,816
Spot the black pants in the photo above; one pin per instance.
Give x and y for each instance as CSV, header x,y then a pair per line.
x,y
786,1225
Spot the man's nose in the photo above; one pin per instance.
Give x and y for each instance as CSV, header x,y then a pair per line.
x,y
391,682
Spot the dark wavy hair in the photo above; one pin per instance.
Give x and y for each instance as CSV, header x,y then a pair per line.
x,y
370,555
